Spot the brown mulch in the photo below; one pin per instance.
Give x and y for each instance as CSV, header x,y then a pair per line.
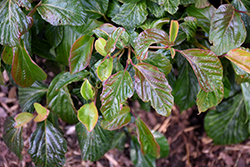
x,y
189,144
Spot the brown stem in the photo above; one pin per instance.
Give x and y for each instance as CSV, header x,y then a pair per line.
x,y
242,12
31,13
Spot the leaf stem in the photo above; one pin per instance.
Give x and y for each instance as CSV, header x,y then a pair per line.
x,y
158,47
242,12
131,110
106,19
129,53
228,1
197,44
32,12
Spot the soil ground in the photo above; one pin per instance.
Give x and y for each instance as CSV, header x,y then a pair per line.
x,y
189,144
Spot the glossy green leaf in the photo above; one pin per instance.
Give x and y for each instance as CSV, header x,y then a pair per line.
x,y
23,118
111,42
206,100
245,87
100,44
156,9
12,137
122,118
240,57
116,89
95,9
88,116
104,31
186,87
201,3
70,35
171,6
226,124
57,12
241,5
146,139
104,70
138,159
47,146
119,141
186,2
94,144
113,8
160,61
54,35
80,53
189,27
87,91
163,143
207,67
42,112
68,78
240,75
173,31
28,96
24,70
147,38
151,85
7,55
42,48
155,24
131,15
227,30
203,16
59,101
24,3
13,23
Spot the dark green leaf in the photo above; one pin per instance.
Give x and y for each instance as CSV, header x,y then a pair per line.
x,y
54,35
60,102
242,6
58,12
240,57
24,3
203,16
207,67
240,75
24,70
163,143
246,95
7,55
119,141
70,35
189,27
95,8
160,61
131,15
151,85
116,89
80,53
42,48
155,23
111,42
12,137
138,159
88,116
114,8
68,78
185,88
47,146
171,6
28,96
147,38
227,30
93,144
146,139
13,23
186,2
122,118
156,9
227,124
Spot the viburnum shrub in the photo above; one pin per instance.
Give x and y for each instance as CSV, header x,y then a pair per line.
x,y
104,52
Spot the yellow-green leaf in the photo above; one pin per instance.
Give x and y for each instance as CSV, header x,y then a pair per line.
x,y
42,112
100,44
88,115
104,70
173,31
87,90
23,118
